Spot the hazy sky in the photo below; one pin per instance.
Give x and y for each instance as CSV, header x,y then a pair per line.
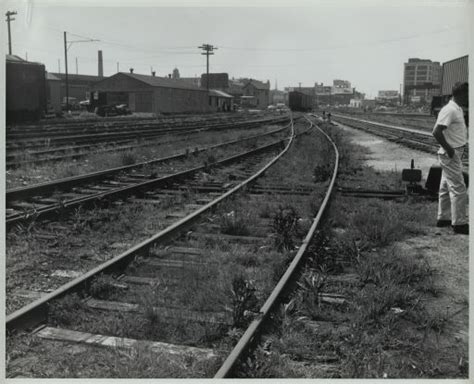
x,y
365,42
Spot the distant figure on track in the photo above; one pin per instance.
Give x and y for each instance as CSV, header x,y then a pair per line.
x,y
451,133
329,117
324,115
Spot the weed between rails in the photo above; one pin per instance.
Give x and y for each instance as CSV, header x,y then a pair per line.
x,y
384,328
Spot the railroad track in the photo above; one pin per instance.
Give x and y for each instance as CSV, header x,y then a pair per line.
x,y
413,138
44,147
47,200
188,253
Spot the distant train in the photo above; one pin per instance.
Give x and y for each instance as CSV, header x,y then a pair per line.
x,y
300,102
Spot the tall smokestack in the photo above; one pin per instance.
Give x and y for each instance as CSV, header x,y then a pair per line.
x,y
101,64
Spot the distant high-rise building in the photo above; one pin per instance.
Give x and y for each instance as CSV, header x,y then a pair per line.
x,y
421,80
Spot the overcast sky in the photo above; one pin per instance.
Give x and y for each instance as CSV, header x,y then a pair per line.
x,y
365,42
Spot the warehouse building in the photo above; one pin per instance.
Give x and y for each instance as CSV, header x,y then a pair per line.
x,y
219,101
144,93
53,93
79,86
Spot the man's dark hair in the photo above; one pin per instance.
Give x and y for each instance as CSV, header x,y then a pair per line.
x,y
460,89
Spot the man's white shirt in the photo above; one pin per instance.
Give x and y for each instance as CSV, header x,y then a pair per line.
x,y
452,116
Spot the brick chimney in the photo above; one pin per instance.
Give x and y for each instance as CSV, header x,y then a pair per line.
x,y
131,70
101,64
153,73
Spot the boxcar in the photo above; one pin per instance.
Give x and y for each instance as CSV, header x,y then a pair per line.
x,y
453,72
301,102
25,90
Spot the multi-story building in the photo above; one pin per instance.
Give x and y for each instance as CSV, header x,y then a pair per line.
x,y
341,87
421,80
259,90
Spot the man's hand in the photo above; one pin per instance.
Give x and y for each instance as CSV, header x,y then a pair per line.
x,y
450,151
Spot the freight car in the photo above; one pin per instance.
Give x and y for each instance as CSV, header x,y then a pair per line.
x,y
25,90
453,71
301,102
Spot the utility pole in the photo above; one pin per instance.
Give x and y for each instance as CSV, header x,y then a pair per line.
x,y
65,65
59,65
118,67
208,50
9,19
66,47
77,69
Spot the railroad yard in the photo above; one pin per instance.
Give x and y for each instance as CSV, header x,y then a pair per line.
x,y
194,191
212,256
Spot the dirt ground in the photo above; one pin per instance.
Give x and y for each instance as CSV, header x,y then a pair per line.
x,y
446,252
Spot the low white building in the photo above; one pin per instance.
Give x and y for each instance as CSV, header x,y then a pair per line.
x,y
355,103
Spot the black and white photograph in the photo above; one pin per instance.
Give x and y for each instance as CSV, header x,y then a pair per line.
x,y
261,189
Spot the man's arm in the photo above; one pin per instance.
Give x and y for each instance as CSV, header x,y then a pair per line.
x,y
438,135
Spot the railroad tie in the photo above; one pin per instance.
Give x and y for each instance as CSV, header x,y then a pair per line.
x,y
65,335
217,318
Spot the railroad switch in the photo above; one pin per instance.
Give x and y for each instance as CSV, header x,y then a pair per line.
x,y
413,177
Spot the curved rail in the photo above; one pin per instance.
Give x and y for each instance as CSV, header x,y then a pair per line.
x,y
36,312
251,332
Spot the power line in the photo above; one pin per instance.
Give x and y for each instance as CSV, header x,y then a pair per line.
x,y
342,46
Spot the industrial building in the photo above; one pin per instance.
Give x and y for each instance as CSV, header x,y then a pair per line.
x,y
53,93
145,93
219,101
259,90
79,85
26,94
421,80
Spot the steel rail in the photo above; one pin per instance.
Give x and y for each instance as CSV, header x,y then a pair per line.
x,y
383,125
126,131
432,144
45,212
25,192
91,148
36,312
252,331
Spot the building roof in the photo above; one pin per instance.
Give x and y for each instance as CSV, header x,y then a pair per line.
x,y
72,77
216,92
19,60
156,81
14,58
258,84
50,76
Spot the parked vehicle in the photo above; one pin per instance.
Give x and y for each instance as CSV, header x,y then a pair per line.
x,y
122,109
106,110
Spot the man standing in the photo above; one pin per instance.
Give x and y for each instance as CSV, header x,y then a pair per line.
x,y
451,133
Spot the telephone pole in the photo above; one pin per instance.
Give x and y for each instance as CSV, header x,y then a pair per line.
x,y
208,50
8,14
